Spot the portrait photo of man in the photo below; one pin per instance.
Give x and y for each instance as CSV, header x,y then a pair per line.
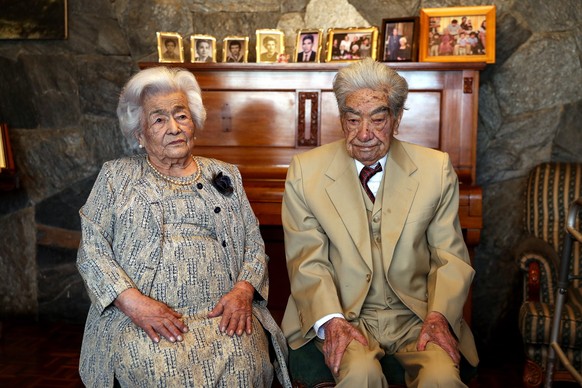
x,y
308,46
170,47
234,51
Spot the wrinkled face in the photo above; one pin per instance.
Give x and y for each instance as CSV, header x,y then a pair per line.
x,y
367,126
168,129
307,45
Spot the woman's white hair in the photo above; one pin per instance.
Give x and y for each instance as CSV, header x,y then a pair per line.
x,y
154,81
369,74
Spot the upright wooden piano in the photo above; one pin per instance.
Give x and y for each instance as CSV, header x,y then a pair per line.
x,y
260,115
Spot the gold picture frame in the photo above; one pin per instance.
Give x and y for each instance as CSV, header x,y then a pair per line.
x,y
229,49
270,45
345,44
313,49
170,47
202,48
473,39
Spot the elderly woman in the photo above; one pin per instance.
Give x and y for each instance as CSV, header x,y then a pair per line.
x,y
172,256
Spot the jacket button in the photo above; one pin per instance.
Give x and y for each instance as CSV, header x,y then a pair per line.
x,y
352,315
199,185
368,277
224,243
217,210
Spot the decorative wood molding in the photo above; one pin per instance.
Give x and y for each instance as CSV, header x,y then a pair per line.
x,y
308,121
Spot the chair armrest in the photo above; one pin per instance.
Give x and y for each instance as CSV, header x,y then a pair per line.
x,y
538,262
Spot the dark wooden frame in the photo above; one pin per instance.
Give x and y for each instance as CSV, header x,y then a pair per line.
x,y
413,38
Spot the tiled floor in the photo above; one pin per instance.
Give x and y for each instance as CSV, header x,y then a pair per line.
x,y
40,355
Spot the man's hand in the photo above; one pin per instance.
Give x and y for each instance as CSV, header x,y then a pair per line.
x,y
435,329
154,317
338,335
236,309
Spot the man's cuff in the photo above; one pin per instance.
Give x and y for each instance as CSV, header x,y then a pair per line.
x,y
320,322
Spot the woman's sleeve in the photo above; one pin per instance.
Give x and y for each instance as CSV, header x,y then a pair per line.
x,y
102,274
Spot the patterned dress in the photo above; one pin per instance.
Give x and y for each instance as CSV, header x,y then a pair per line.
x,y
176,244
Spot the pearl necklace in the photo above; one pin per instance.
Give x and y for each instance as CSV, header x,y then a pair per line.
x,y
177,181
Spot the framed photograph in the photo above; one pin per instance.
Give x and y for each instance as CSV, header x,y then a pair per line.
x,y
270,45
202,48
170,47
33,19
351,44
457,34
235,49
308,46
399,40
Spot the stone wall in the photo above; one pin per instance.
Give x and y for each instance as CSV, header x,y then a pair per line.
x,y
59,99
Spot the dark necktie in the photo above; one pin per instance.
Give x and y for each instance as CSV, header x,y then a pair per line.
x,y
365,175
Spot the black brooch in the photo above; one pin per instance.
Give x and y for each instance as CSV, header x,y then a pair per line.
x,y
223,184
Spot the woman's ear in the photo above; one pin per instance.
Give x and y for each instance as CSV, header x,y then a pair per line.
x,y
139,138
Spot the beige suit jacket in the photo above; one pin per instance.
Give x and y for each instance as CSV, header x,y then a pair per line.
x,y
327,241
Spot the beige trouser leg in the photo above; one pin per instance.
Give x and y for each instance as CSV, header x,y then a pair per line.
x,y
360,366
430,368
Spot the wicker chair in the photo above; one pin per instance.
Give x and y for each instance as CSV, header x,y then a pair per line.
x,y
551,189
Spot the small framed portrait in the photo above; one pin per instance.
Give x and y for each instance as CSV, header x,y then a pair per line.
x,y
399,40
202,48
235,49
351,44
170,47
457,34
308,46
270,45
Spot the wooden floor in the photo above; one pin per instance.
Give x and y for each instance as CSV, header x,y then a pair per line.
x,y
40,355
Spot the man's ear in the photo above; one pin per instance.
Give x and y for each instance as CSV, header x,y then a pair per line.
x,y
396,124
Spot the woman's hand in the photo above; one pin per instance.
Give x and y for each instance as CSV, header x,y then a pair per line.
x,y
236,309
154,317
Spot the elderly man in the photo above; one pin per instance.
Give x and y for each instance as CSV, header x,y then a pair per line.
x,y
377,265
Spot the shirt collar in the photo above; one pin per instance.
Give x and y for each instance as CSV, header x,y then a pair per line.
x,y
382,162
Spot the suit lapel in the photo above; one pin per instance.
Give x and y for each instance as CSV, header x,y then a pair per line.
x,y
348,202
399,191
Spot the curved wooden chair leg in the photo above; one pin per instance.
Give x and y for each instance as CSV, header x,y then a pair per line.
x,y
532,375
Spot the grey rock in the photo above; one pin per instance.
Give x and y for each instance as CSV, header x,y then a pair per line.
x,y
18,269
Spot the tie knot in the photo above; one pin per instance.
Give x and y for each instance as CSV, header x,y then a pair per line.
x,y
369,172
